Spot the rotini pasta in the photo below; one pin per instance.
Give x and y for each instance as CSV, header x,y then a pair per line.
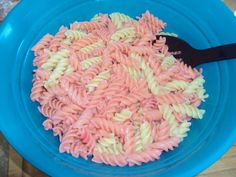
x,y
123,34
169,117
150,78
97,80
176,85
189,110
145,130
194,85
119,18
138,138
110,89
168,62
135,74
90,61
54,59
108,144
107,141
122,116
91,47
75,34
59,70
182,130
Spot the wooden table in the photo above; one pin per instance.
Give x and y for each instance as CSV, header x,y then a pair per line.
x,y
13,165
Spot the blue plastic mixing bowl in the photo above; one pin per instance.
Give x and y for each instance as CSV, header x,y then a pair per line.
x,y
21,122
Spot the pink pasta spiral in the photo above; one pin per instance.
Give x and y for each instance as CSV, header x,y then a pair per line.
x,y
76,94
120,46
154,25
90,73
43,43
145,40
108,125
168,74
163,131
55,103
129,140
78,44
187,71
166,145
42,74
47,111
72,78
74,61
109,159
144,157
42,58
93,25
48,124
67,140
37,90
55,43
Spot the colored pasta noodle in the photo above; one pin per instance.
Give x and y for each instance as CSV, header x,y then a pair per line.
x,y
110,89
123,34
91,47
122,116
119,18
90,61
97,80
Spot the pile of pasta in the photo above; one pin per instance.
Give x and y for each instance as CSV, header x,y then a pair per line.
x,y
110,89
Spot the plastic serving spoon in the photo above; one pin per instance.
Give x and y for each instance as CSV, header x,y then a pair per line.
x,y
194,57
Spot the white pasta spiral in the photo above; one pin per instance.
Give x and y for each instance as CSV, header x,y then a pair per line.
x,y
51,63
75,34
122,116
90,61
104,75
194,85
138,139
169,117
145,130
57,73
201,94
91,47
108,145
123,34
134,73
116,148
108,140
189,110
182,130
69,70
119,18
168,62
148,72
176,85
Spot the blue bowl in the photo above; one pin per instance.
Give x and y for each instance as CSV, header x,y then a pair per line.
x,y
21,123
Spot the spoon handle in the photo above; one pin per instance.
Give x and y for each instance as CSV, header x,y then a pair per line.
x,y
215,54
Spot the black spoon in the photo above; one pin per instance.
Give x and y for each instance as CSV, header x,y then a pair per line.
x,y
194,57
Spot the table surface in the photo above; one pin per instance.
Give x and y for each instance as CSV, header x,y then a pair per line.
x,y
13,165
